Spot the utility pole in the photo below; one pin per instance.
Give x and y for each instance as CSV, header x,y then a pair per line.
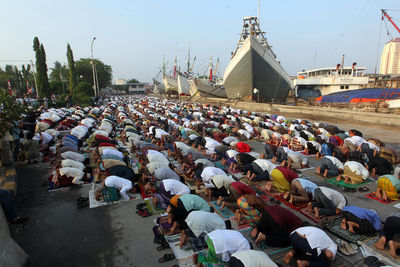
x,y
34,77
94,75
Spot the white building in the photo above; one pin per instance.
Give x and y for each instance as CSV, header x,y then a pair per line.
x,y
390,58
120,81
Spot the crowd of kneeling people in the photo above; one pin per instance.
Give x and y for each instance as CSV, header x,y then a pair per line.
x,y
178,146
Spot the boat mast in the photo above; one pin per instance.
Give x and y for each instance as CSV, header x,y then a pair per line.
x,y
216,67
188,60
258,15
211,66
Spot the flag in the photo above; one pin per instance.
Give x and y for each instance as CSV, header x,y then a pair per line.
x,y
9,87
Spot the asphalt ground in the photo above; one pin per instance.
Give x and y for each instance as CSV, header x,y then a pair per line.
x,y
60,234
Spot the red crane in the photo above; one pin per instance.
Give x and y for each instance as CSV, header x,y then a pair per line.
x,y
385,14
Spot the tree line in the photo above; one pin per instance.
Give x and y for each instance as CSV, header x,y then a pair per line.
x,y
74,79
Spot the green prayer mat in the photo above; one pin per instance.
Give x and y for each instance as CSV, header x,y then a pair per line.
x,y
334,227
226,213
151,208
341,183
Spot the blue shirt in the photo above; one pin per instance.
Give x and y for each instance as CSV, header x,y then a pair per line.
x,y
366,214
307,185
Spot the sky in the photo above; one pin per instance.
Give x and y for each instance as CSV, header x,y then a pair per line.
x,y
134,36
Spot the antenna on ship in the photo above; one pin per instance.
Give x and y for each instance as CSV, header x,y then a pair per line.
x,y
258,15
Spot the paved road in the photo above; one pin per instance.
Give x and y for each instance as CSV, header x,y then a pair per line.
x,y
59,234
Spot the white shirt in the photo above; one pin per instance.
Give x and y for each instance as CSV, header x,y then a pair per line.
x,y
122,184
209,172
231,153
72,163
335,161
73,172
265,164
113,152
245,133
333,195
175,187
356,140
73,155
152,166
373,146
318,239
227,242
297,157
46,137
254,258
211,144
205,162
358,168
230,139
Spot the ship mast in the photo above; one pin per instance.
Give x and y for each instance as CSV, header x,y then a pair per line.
x,y
252,28
188,60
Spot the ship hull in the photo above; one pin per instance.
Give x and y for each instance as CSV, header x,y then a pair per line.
x,y
253,67
170,84
198,88
158,89
183,85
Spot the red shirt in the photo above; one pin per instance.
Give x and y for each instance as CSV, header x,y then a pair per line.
x,y
243,189
243,147
288,173
283,217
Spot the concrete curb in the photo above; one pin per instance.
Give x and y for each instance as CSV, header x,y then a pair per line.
x,y
316,113
11,254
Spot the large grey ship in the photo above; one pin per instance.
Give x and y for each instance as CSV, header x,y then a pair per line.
x,y
254,66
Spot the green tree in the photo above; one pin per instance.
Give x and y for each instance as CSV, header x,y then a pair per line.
x,y
10,111
83,93
59,72
41,68
133,81
72,78
57,87
84,69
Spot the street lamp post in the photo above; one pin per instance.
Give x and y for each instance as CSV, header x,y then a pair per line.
x,y
94,76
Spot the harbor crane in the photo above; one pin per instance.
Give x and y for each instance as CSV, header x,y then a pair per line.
x,y
385,14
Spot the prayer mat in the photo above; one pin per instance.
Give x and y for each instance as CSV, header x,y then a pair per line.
x,y
313,218
334,227
305,169
151,208
226,213
368,249
295,205
262,246
219,165
93,203
373,196
259,188
184,255
341,183
203,255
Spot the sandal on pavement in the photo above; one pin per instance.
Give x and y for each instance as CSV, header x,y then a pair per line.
x,y
166,257
82,204
163,246
349,190
19,220
363,189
